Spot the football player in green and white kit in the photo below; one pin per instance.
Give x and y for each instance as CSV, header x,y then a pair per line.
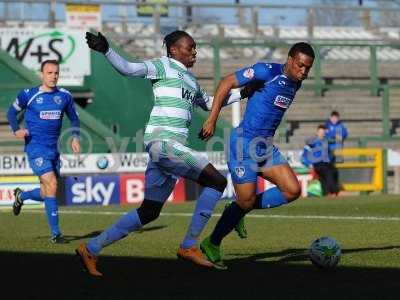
x,y
176,94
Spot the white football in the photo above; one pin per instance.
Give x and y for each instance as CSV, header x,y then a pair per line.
x,y
325,252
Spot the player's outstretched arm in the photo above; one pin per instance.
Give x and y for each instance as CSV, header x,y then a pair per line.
x,y
100,44
97,42
225,85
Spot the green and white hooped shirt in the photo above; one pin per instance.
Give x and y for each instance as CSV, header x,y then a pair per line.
x,y
176,93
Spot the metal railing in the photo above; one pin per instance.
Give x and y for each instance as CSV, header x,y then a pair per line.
x,y
251,15
319,85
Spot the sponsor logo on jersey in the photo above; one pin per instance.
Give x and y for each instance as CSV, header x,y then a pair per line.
x,y
39,161
281,82
50,114
57,100
240,171
187,95
39,100
248,73
269,66
180,75
282,101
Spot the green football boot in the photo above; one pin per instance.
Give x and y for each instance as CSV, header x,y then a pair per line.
x,y
213,253
240,227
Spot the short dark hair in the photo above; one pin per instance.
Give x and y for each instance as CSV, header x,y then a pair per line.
x,y
321,126
171,38
335,113
301,47
49,61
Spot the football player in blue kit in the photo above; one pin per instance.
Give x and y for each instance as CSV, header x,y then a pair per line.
x,y
44,107
251,151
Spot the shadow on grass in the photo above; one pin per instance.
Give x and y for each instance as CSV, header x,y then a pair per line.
x,y
60,276
71,238
293,255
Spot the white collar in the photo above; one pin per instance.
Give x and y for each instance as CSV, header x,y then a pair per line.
x,y
178,63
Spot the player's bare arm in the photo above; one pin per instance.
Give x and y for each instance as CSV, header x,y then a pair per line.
x,y
224,87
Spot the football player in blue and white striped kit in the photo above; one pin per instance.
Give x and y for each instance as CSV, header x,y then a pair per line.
x,y
44,107
251,151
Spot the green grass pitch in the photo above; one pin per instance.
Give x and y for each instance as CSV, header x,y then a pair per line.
x,y
272,263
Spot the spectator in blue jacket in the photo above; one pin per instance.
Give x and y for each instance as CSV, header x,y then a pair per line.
x,y
318,155
336,132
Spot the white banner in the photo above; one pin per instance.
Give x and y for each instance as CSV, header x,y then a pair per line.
x,y
80,164
83,16
33,46
7,186
110,163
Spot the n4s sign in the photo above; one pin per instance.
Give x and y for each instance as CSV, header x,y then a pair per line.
x,y
32,47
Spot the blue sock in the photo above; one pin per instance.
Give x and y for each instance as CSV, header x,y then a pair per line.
x,y
230,217
33,195
50,204
202,213
126,224
269,199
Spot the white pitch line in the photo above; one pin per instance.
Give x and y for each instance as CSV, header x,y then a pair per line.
x,y
312,217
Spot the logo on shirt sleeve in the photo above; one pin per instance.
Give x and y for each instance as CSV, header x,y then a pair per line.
x,y
248,73
50,114
282,101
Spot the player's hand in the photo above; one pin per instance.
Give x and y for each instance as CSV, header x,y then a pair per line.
x,y
76,145
21,133
207,131
97,42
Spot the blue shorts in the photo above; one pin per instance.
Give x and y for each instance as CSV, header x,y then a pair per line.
x,y
169,161
248,156
41,165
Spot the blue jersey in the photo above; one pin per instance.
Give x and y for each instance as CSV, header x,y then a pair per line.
x,y
44,113
316,151
336,134
267,105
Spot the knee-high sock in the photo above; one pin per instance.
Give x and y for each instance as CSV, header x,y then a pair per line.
x,y
202,213
50,204
126,224
32,194
269,199
230,217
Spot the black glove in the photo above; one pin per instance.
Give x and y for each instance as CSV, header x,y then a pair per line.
x,y
97,42
250,88
200,135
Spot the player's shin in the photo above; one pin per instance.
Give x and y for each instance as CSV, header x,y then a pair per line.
x,y
269,199
230,217
204,207
126,224
32,194
50,204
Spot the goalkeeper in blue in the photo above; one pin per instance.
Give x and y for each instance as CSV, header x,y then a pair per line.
x,y
44,107
176,94
251,149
